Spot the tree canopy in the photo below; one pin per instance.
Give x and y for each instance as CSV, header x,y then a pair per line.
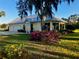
x,y
42,7
3,25
2,13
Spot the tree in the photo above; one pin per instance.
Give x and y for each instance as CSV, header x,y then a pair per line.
x,y
2,13
65,19
73,18
42,7
3,26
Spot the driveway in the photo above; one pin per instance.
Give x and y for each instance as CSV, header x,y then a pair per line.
x,y
10,33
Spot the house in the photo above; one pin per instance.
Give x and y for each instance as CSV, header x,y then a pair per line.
x,y
33,23
16,24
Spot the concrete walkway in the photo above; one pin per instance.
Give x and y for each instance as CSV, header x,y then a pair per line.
x,y
10,33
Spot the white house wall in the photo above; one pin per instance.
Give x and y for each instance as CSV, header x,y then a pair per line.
x,y
28,27
37,26
15,27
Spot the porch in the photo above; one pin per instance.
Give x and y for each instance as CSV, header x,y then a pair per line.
x,y
51,25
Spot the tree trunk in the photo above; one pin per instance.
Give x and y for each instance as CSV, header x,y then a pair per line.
x,y
41,22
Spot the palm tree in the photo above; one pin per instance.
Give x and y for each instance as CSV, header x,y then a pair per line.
x,y
2,13
42,7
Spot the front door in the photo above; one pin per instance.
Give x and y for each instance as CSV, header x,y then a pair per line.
x,y
31,27
48,25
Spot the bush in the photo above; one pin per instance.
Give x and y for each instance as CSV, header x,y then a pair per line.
x,y
66,31
21,30
47,36
36,36
70,27
15,51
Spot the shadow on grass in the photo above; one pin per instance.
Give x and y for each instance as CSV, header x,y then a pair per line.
x,y
76,49
26,55
72,34
69,38
40,55
61,55
65,47
59,45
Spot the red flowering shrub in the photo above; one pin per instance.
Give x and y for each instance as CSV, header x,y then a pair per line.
x,y
48,36
35,36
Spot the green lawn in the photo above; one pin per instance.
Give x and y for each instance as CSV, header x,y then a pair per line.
x,y
72,34
65,49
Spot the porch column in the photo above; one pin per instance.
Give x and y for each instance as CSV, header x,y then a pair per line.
x,y
51,26
64,27
59,26
28,27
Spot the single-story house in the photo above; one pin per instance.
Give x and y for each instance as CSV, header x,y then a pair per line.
x,y
33,23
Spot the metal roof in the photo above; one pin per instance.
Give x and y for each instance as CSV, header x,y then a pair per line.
x,y
34,19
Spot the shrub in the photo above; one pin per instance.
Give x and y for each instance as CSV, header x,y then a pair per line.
x,y
35,36
66,31
21,30
70,27
45,36
13,51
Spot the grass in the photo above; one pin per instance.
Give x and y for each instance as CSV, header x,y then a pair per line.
x,y
15,37
65,49
71,36
76,31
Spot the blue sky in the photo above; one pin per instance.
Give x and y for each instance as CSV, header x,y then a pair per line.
x,y
9,6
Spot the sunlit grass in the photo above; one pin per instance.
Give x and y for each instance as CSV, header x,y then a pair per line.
x,y
64,49
76,31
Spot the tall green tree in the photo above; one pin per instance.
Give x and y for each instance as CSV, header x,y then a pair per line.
x,y
2,13
3,25
42,7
